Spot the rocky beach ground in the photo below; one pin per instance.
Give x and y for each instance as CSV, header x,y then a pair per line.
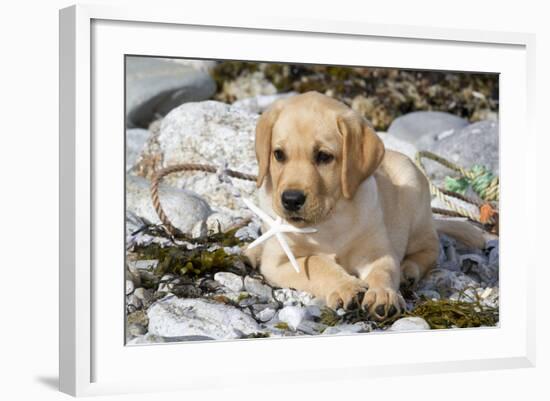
x,y
199,287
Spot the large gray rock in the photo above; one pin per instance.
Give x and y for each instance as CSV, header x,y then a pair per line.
x,y
155,86
135,141
394,143
184,208
176,317
478,143
211,133
422,128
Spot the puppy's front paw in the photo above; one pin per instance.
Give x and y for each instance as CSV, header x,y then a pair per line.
x,y
383,303
348,294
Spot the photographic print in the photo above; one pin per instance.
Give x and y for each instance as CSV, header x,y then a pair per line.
x,y
269,200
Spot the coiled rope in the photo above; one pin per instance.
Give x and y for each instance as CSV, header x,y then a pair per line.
x,y
159,175
483,182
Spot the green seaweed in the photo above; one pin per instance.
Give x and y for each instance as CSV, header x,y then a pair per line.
x,y
440,314
242,296
181,261
281,326
329,317
446,313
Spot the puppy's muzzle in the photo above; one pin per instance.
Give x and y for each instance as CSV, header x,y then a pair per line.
x,y
293,200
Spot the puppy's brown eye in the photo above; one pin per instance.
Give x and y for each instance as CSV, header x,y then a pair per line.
x,y
279,155
323,157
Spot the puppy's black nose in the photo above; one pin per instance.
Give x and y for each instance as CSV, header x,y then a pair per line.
x,y
293,200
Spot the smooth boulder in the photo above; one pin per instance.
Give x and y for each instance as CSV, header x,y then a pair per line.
x,y
136,138
476,144
155,86
393,143
422,128
212,133
176,317
184,208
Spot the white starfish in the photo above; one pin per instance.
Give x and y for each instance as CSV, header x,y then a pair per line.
x,y
276,228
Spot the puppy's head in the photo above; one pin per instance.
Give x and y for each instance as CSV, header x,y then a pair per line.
x,y
312,150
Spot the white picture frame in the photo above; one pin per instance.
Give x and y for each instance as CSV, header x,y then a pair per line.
x,y
93,40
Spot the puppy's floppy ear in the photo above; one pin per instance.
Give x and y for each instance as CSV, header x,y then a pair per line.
x,y
263,139
362,152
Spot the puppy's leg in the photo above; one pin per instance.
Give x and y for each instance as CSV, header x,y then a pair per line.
x,y
420,259
254,255
382,300
319,275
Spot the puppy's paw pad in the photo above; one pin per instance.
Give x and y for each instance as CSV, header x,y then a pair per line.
x,y
348,295
383,303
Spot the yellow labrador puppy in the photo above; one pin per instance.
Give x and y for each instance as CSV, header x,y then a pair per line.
x,y
322,165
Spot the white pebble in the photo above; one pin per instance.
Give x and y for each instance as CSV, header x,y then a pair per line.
x,y
292,315
413,323
229,280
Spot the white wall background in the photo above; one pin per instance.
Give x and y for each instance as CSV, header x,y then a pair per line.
x,y
29,214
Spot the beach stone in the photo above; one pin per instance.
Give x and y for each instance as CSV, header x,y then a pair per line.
x,y
476,144
215,133
176,317
446,282
394,143
423,128
136,329
143,294
290,297
310,327
493,247
266,314
314,311
477,266
292,315
132,274
257,288
133,302
136,139
229,280
344,329
129,287
249,232
185,208
155,86
145,339
412,323
142,264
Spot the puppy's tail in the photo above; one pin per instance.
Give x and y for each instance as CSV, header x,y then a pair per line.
x,y
463,231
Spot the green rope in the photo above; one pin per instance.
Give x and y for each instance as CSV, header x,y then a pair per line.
x,y
480,179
